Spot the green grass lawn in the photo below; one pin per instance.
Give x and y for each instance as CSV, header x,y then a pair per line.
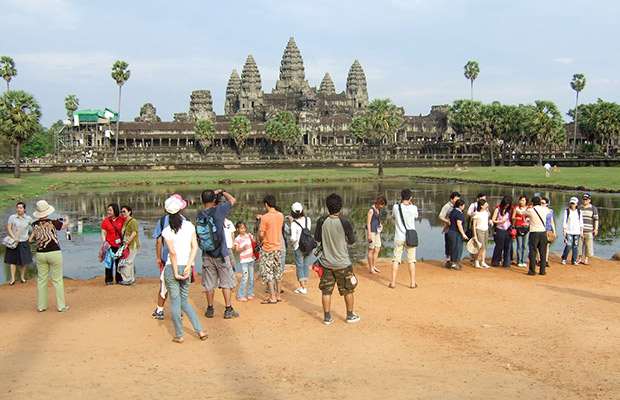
x,y
31,184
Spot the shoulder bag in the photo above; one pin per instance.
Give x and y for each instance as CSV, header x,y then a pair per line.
x,y
411,235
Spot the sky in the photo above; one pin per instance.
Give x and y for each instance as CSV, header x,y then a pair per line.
x,y
412,51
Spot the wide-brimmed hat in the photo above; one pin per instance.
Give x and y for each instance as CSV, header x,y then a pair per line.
x,y
297,207
173,205
43,209
178,196
472,246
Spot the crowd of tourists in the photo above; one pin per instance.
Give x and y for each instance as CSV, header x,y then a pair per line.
x,y
524,228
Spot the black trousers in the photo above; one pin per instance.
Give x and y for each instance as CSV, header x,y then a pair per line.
x,y
113,270
503,247
538,243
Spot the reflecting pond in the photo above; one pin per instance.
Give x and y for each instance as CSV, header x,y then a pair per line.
x,y
87,208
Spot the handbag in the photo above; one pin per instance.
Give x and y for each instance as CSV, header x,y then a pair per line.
x,y
411,235
9,242
551,236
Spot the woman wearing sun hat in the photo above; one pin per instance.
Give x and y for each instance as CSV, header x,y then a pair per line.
x,y
49,257
180,238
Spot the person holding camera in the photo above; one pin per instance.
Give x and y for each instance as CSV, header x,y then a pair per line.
x,y
216,268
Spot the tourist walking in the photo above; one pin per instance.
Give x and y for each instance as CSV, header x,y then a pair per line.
x,y
131,241
270,239
335,234
522,224
590,229
444,215
538,234
549,226
19,228
216,266
503,241
303,260
480,230
456,234
373,232
180,238
572,230
111,233
49,256
244,246
161,256
404,215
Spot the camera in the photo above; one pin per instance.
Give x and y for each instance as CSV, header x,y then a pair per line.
x,y
218,197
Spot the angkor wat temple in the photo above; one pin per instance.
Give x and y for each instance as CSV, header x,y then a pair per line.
x,y
322,114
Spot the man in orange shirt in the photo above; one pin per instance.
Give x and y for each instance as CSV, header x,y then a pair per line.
x,y
270,239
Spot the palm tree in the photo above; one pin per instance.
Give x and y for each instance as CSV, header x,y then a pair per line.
x,y
19,120
120,74
578,84
204,129
71,104
7,66
472,69
239,129
381,121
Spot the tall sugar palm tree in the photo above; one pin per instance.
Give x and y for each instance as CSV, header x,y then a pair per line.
x,y
578,84
19,120
71,104
472,69
7,66
120,74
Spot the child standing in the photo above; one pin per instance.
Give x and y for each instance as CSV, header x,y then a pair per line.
x,y
243,246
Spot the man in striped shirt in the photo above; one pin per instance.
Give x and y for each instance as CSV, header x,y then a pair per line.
x,y
590,229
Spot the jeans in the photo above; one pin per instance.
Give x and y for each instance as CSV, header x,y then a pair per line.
x,y
522,246
247,279
178,291
456,246
538,244
571,246
302,265
50,263
503,241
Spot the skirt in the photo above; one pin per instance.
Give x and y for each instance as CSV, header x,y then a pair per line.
x,y
21,255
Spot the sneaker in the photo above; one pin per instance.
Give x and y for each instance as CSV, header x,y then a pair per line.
x,y
353,318
304,290
41,309
230,313
65,308
563,262
328,321
158,315
485,265
575,263
448,264
455,267
209,313
301,290
477,264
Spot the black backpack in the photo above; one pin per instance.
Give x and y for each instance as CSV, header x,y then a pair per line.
x,y
306,241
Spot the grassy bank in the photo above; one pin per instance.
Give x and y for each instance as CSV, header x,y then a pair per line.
x,y
590,178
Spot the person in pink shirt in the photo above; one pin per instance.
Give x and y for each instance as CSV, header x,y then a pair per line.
x,y
243,246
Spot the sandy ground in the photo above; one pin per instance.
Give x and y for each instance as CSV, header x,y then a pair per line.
x,y
461,335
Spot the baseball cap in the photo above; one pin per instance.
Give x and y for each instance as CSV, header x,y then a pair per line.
x,y
297,207
587,196
574,200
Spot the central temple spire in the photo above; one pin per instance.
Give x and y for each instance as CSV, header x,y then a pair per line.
x,y
292,73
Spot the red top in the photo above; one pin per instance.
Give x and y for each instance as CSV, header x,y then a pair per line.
x,y
112,236
520,220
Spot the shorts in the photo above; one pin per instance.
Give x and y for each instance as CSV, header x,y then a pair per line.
x,y
483,238
398,252
271,265
214,268
344,278
376,240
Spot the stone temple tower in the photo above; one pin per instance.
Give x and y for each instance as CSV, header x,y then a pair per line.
x,y
251,96
292,73
357,91
233,90
327,85
201,106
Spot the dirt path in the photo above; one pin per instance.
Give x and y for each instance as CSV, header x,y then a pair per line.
x,y
461,335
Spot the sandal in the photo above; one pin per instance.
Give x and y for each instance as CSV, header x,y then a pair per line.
x,y
203,337
177,339
11,283
391,286
23,280
268,301
415,286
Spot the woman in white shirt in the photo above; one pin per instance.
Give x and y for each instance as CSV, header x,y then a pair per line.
x,y
180,238
407,212
481,232
299,221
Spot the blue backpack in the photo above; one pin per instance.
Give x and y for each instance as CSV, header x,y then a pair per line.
x,y
206,231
